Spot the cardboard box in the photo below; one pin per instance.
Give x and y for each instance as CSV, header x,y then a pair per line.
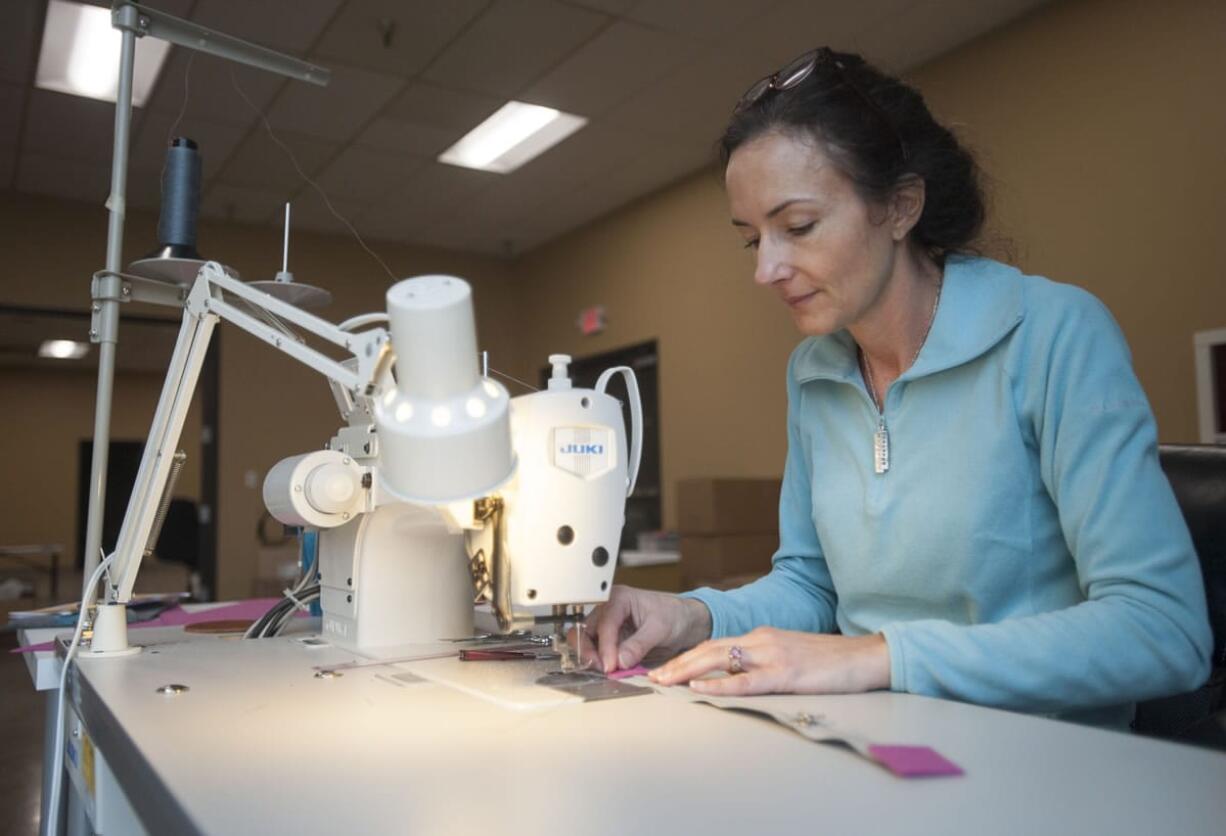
x,y
707,561
728,506
665,577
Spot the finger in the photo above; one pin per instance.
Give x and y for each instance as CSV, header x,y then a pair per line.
x,y
706,657
634,648
609,621
737,685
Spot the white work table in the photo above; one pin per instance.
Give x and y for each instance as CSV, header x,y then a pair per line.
x,y
260,745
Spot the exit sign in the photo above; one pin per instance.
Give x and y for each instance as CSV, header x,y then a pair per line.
x,y
592,320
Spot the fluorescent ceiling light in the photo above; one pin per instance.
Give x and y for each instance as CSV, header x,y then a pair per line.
x,y
80,54
516,133
63,349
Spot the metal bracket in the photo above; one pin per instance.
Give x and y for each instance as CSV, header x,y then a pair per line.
x,y
142,20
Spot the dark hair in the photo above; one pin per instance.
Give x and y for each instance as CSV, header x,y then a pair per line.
x,y
877,130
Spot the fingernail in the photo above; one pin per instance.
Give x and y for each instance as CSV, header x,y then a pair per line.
x,y
623,660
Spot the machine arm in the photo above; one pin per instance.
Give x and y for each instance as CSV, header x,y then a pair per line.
x,y
206,303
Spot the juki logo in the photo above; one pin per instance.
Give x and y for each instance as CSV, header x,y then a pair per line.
x,y
582,449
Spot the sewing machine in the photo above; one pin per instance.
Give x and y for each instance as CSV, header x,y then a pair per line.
x,y
440,492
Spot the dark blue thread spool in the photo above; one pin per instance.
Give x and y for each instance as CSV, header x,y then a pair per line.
x,y
180,198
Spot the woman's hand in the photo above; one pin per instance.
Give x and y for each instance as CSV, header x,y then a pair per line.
x,y
621,631
783,661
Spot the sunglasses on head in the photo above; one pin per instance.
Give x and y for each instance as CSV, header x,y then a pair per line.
x,y
797,70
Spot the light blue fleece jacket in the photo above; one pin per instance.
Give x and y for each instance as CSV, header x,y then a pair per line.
x,y
1024,550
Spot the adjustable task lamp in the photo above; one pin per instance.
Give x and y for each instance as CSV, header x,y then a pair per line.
x,y
444,432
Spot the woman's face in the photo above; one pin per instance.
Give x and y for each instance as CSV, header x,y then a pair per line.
x,y
819,245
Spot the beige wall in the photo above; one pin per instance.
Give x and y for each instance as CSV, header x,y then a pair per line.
x,y
1100,124
46,414
271,406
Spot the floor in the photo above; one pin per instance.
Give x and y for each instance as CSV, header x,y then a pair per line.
x,y
21,707
21,744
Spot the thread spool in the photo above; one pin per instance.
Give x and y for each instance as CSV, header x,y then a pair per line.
x,y
176,260
180,196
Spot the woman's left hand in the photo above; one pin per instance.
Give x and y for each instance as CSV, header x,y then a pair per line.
x,y
783,661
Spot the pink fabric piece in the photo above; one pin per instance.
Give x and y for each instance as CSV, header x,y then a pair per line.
x,y
913,761
176,616
637,670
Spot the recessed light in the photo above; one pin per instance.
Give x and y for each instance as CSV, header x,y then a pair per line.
x,y
80,54
516,133
63,349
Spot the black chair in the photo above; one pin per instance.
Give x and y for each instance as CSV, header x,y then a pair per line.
x,y
1198,476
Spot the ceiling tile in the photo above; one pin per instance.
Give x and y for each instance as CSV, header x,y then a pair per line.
x,y
513,43
703,19
611,7
309,212
566,166
71,127
364,174
291,25
491,241
235,203
442,185
211,92
416,31
260,163
440,107
21,22
696,100
407,137
12,101
216,142
71,179
427,196
337,111
615,64
663,164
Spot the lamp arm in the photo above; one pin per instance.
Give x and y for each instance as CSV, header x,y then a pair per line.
x,y
204,306
369,347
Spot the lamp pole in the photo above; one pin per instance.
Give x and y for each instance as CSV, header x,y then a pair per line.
x,y
107,291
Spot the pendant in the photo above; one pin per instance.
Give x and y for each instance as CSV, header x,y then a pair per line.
x,y
881,448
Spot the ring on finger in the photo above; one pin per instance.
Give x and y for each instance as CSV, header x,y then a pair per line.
x,y
736,659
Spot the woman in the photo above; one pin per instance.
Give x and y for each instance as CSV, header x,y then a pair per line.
x,y
972,505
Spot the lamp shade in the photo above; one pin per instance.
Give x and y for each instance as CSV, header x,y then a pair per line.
x,y
444,431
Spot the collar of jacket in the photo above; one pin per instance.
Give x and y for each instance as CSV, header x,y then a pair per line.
x,y
981,302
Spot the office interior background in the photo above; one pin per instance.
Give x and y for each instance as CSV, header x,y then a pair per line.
x,y
1098,124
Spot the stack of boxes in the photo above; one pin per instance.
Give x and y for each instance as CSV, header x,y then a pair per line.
x,y
729,530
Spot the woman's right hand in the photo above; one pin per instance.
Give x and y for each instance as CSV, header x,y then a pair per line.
x,y
620,632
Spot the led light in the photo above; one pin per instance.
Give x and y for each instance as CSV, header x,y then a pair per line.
x,y
516,133
389,397
63,349
404,412
475,407
491,389
80,54
440,416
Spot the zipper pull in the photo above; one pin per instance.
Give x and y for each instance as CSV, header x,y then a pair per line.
x,y
881,446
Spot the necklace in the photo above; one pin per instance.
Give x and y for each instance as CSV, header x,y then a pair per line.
x,y
881,438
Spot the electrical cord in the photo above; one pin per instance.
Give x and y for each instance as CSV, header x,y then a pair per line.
x,y
57,770
296,597
273,622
